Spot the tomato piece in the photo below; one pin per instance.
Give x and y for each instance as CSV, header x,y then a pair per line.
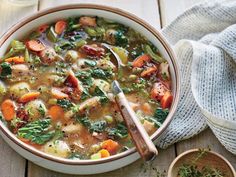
x,y
166,100
158,91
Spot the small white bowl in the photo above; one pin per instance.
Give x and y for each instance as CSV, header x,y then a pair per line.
x,y
51,15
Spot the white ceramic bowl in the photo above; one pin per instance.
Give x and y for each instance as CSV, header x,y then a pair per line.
x,y
51,15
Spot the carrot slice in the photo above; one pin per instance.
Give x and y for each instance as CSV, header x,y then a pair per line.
x,y
8,109
58,94
16,60
60,26
110,145
29,97
42,28
104,153
148,71
166,100
56,112
140,61
35,45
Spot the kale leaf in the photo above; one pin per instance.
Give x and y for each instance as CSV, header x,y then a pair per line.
x,y
161,114
64,103
158,117
102,95
37,131
98,126
5,70
118,132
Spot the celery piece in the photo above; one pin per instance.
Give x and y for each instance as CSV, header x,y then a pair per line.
x,y
154,56
96,156
51,35
80,43
16,47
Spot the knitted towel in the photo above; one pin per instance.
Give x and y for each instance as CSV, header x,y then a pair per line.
x,y
204,39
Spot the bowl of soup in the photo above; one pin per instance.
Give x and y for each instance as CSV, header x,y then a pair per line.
x,y
57,107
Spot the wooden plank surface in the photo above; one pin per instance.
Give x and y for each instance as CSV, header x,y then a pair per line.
x,y
11,163
204,140
170,9
145,9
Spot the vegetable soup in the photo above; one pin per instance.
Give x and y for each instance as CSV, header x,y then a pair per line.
x,y
55,87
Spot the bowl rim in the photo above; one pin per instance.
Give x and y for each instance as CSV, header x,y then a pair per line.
x,y
171,167
117,11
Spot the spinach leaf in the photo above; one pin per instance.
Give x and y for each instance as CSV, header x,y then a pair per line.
x,y
98,126
99,73
121,39
91,63
118,132
159,117
161,114
37,131
84,121
103,96
85,77
5,70
64,103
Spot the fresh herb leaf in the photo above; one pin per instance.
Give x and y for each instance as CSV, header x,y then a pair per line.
x,y
120,131
64,103
5,70
37,131
98,126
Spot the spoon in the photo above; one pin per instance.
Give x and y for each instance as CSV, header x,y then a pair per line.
x,y
142,141
118,60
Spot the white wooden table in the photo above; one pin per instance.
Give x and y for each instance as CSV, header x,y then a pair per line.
x,y
157,13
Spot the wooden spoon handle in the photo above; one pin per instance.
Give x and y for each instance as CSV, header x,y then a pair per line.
x,y
143,143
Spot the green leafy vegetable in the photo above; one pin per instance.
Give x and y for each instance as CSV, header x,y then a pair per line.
x,y
154,56
121,39
5,70
85,77
90,63
103,96
16,47
98,126
37,131
120,131
64,103
161,114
